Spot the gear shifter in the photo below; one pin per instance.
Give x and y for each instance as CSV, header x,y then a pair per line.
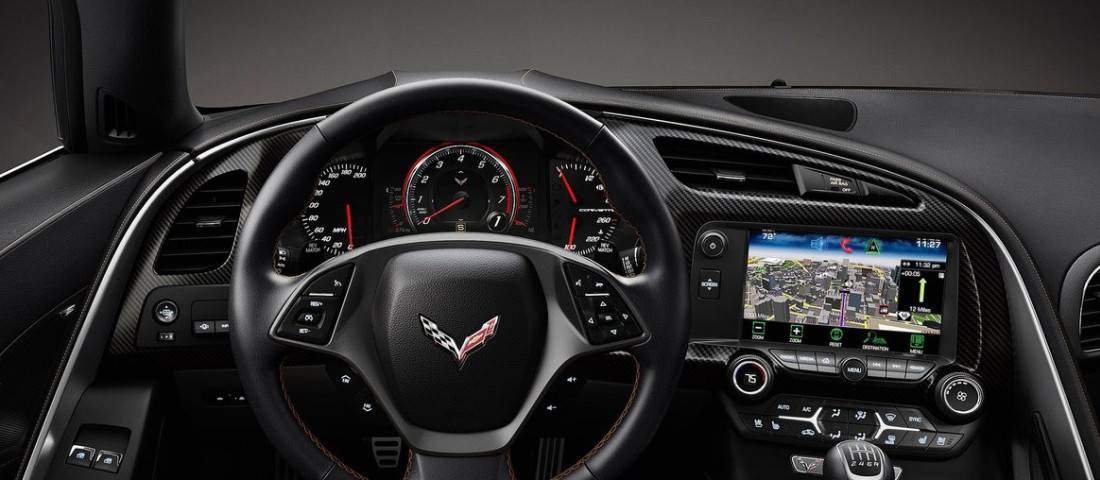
x,y
857,460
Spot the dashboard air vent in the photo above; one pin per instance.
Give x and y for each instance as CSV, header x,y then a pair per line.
x,y
707,166
201,237
1090,315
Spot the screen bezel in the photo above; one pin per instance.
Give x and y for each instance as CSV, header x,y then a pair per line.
x,y
735,261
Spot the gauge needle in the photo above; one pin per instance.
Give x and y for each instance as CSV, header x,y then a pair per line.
x,y
572,230
568,187
446,207
347,215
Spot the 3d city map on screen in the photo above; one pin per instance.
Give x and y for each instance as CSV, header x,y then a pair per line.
x,y
873,293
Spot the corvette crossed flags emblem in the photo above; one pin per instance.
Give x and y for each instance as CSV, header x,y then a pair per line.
x,y
471,344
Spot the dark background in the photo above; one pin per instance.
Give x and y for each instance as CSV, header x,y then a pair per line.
x,y
260,51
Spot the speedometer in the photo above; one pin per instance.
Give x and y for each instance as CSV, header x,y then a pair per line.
x,y
460,187
336,216
581,218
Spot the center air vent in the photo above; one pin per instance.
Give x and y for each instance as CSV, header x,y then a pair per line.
x,y
201,237
707,166
1090,315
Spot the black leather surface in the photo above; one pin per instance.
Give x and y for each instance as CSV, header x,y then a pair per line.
x,y
459,290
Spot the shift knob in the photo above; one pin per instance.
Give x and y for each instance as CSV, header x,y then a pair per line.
x,y
857,460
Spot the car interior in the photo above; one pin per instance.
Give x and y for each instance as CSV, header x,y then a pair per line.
x,y
518,275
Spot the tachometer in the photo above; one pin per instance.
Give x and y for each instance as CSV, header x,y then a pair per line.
x,y
460,187
581,216
336,215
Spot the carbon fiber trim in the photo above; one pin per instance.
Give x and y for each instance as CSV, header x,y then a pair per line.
x,y
708,355
257,158
985,341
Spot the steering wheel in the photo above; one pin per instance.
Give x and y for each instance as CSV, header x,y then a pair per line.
x,y
395,310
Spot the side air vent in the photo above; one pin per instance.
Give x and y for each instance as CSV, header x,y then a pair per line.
x,y
118,121
1090,316
706,166
201,237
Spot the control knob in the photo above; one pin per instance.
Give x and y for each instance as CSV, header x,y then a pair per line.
x,y
959,396
751,377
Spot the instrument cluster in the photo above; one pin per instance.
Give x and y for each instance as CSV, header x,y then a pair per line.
x,y
512,181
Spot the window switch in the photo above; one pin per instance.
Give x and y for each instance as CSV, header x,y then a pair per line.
x,y
81,456
108,461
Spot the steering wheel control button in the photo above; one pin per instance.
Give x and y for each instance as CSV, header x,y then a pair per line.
x,y
604,315
587,284
853,369
108,461
330,284
959,396
81,456
750,377
710,284
166,312
312,316
713,243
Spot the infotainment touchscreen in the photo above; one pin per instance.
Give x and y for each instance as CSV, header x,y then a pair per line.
x,y
873,293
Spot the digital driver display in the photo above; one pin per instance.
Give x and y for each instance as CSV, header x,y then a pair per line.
x,y
872,293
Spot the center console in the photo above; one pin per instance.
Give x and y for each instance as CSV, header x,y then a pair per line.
x,y
839,334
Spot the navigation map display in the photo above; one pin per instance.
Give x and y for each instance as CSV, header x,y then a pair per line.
x,y
873,293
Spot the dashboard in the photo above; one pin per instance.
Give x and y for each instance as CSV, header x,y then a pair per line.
x,y
837,287
459,173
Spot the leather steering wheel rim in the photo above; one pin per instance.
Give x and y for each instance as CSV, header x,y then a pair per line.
x,y
256,287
